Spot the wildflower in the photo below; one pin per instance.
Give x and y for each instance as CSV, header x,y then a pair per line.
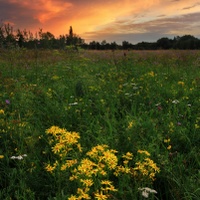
x,y
87,182
106,182
128,156
82,193
181,83
100,196
175,101
146,191
72,198
20,157
179,123
1,156
169,147
55,77
108,186
166,140
152,74
73,104
50,168
144,152
122,170
7,101
2,112
158,104
131,124
16,157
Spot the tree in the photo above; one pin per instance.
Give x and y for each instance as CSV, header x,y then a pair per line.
x,y
126,45
73,39
164,43
187,42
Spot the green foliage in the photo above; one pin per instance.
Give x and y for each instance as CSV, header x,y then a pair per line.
x,y
142,109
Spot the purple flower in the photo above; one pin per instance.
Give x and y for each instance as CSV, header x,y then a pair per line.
x,y
7,101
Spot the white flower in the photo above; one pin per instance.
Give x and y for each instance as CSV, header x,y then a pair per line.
x,y
146,191
158,104
20,157
175,101
73,104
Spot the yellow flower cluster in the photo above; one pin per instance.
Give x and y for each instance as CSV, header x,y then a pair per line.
x,y
100,161
92,172
147,168
144,168
144,152
167,141
127,157
104,156
64,142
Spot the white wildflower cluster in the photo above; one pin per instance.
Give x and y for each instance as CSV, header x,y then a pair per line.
x,y
146,191
175,101
20,157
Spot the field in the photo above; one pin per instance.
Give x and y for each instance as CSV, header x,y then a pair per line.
x,y
99,125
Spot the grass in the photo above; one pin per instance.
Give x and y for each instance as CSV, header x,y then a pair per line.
x,y
99,125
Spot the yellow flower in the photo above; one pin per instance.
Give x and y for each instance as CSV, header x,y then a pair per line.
x,y
144,152
87,182
122,169
1,156
100,196
181,83
128,156
110,159
152,74
50,168
131,124
55,77
72,198
2,112
82,193
169,147
166,140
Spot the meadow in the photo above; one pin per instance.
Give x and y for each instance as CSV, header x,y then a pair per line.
x,y
99,125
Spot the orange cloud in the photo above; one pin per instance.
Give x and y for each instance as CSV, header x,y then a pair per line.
x,y
44,9
92,19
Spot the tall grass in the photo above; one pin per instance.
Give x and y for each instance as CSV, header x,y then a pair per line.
x,y
136,117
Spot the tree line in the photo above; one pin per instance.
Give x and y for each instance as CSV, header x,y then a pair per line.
x,y
10,38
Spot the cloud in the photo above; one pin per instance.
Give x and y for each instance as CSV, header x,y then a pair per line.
x,y
168,26
112,19
42,10
192,6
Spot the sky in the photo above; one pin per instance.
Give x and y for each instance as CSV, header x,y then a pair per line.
x,y
110,20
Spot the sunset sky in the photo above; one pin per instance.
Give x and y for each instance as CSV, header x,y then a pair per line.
x,y
110,20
